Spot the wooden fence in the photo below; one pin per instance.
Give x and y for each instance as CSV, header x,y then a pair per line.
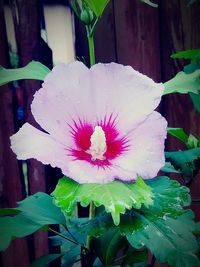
x,y
130,32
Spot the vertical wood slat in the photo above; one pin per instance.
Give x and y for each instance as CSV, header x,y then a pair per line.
x,y
105,37
10,181
137,36
27,30
195,117
179,26
137,39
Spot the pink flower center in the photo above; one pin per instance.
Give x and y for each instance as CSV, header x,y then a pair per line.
x,y
98,144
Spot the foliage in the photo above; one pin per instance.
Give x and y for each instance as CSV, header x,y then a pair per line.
x,y
9,211
165,224
33,70
68,256
169,197
44,260
149,3
193,142
11,228
36,212
197,228
196,101
194,55
108,245
178,133
194,65
116,197
168,167
97,6
190,141
170,240
89,11
134,256
185,161
190,2
40,208
187,54
183,83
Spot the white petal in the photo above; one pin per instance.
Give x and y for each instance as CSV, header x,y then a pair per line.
x,y
63,98
72,91
146,154
30,142
84,172
125,92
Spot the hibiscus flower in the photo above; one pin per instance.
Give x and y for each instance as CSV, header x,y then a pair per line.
x,y
99,124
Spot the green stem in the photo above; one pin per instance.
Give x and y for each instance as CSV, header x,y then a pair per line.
x,y
94,26
92,210
61,235
70,234
90,37
91,215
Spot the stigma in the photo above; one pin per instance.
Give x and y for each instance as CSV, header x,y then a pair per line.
x,y
98,144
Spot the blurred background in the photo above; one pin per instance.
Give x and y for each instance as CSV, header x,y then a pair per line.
x,y
130,32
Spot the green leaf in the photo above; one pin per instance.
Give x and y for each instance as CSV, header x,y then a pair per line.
x,y
196,101
40,208
165,228
150,3
15,227
36,211
187,54
183,83
116,197
190,68
70,251
108,245
169,197
197,228
134,256
71,256
97,6
8,212
44,260
94,227
98,263
185,161
192,142
178,133
168,167
170,240
190,2
34,70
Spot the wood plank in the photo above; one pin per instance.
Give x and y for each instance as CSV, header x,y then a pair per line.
x,y
27,29
137,36
179,26
10,180
105,37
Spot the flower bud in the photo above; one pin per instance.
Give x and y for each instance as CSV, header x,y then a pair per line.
x,y
87,16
